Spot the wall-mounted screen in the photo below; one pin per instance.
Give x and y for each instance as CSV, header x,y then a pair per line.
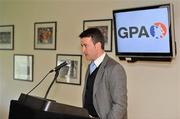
x,y
144,32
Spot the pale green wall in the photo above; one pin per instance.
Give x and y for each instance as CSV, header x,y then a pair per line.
x,y
153,87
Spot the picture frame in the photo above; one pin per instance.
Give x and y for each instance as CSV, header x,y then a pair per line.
x,y
45,35
105,26
6,37
71,73
23,67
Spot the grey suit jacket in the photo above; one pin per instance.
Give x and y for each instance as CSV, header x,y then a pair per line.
x,y
110,90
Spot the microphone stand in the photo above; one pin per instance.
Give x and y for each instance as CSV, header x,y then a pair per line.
x,y
39,82
55,77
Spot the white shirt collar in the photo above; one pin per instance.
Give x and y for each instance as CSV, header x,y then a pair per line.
x,y
99,59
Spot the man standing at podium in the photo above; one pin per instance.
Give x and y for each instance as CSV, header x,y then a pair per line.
x,y
105,90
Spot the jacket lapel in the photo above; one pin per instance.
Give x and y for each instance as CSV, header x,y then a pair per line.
x,y
100,74
84,90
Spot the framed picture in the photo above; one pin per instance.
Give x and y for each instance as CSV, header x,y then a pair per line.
x,y
23,67
105,26
71,73
7,37
45,35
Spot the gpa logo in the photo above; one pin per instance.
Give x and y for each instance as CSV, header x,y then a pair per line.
x,y
157,31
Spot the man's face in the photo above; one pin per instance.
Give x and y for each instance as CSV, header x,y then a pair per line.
x,y
88,48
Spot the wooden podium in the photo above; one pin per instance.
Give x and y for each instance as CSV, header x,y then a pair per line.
x,y
31,107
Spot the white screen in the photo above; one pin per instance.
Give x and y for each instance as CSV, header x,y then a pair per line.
x,y
143,31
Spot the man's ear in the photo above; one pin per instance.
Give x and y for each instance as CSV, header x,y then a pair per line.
x,y
98,45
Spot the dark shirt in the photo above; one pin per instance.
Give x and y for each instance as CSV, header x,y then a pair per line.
x,y
89,94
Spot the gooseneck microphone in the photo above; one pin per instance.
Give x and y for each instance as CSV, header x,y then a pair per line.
x,y
59,67
56,69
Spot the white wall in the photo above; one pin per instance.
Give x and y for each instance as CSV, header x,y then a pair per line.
x,y
153,87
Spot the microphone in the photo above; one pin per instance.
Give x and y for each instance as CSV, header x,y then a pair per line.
x,y
59,66
55,69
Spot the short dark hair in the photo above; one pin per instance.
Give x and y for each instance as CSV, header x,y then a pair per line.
x,y
95,34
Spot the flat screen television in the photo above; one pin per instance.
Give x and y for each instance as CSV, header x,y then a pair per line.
x,y
144,32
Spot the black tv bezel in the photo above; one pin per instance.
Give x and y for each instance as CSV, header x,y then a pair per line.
x,y
147,55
